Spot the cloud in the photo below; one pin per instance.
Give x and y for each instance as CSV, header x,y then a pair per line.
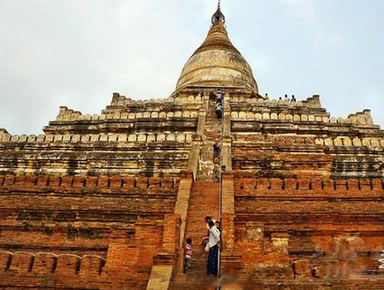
x,y
305,9
77,55
326,40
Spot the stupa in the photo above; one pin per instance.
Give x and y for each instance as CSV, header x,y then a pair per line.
x,y
106,201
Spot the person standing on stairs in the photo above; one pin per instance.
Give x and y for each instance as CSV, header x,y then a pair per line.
x,y
219,105
214,243
219,110
187,255
219,97
216,151
206,237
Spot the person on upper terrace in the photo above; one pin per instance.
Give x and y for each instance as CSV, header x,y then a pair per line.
x,y
286,98
266,97
293,99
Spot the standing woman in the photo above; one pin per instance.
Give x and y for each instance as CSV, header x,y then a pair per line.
x,y
214,239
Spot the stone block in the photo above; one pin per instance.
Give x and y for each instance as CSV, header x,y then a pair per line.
x,y
22,262
67,138
5,260
68,264
266,116
58,138
103,138
40,138
95,138
142,138
347,141
45,263
49,138
375,143
356,142
171,137
366,142
338,141
84,138
15,138
319,141
302,268
160,137
112,138
91,265
76,138
328,142
131,116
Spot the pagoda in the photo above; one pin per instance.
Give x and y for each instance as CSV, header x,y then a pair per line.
x,y
106,201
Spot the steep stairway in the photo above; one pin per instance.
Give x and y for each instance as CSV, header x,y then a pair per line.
x,y
204,201
212,134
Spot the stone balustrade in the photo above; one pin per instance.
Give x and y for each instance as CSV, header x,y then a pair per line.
x,y
118,100
69,183
69,115
312,102
320,186
77,138
329,142
50,263
360,118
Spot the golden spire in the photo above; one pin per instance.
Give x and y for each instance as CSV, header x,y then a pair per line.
x,y
218,16
217,63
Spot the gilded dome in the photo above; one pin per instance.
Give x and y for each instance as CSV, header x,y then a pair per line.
x,y
217,63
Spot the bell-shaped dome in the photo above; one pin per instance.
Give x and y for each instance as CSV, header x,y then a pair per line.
x,y
217,63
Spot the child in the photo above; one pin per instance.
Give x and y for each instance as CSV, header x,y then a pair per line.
x,y
187,255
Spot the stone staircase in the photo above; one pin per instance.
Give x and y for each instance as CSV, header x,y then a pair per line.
x,y
204,201
212,134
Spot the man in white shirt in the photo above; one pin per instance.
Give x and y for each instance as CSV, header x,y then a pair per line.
x,y
214,242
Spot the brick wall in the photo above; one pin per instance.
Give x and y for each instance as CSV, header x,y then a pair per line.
x,y
309,228
84,232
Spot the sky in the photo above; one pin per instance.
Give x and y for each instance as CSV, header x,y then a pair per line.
x,y
76,53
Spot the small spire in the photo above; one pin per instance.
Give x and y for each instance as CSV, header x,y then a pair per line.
x,y
218,16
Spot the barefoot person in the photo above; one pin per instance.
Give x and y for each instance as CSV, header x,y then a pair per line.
x,y
213,242
206,236
187,255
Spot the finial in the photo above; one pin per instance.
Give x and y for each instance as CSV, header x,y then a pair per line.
x,y
218,16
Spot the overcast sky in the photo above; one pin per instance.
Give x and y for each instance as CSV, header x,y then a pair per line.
x,y
78,52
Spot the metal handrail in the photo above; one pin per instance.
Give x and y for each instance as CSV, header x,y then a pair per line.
x,y
221,188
